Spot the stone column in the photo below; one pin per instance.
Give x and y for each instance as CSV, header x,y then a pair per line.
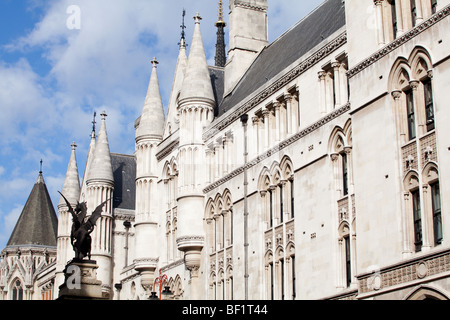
x,y
277,121
266,115
290,121
337,83
399,13
380,21
420,10
255,149
322,94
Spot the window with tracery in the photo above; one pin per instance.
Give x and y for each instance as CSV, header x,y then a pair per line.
x,y
17,291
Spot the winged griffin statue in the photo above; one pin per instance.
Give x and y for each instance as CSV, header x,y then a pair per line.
x,y
82,227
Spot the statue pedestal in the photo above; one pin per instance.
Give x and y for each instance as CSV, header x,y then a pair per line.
x,y
80,281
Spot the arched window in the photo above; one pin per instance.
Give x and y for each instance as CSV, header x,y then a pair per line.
x,y
413,205
17,290
412,89
432,203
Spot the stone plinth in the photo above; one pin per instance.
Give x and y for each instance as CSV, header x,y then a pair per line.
x,y
80,281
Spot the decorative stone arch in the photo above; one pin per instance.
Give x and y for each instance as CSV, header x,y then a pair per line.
x,y
219,205
420,62
210,211
430,173
337,141
427,293
265,180
411,180
268,257
290,249
227,199
344,230
348,133
166,172
178,288
287,168
275,173
279,253
228,216
400,75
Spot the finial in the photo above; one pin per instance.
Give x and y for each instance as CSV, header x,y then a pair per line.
x,y
74,146
220,11
197,18
183,26
104,115
93,122
40,171
154,62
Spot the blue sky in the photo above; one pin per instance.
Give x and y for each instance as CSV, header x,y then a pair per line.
x,y
59,66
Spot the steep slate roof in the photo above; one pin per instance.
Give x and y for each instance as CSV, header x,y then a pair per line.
x,y
291,46
217,81
124,171
38,223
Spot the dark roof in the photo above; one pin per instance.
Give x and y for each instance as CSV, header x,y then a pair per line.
x,y
291,46
124,171
38,223
218,82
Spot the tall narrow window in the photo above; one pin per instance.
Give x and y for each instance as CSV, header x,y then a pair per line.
x,y
292,199
394,19
413,12
417,220
271,208
281,204
437,218
433,6
282,278
345,173
429,107
231,227
348,268
410,115
293,277
271,282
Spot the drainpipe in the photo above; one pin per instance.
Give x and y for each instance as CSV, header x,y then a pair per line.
x,y
244,120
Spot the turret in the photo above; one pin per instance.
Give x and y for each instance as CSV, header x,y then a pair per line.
x,y
196,109
71,191
248,36
149,132
172,120
100,187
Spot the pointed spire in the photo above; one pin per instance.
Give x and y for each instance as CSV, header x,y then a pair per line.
x,y
71,187
197,81
38,223
89,158
183,33
180,70
101,167
221,56
151,124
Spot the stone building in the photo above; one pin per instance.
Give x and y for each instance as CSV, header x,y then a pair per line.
x,y
312,167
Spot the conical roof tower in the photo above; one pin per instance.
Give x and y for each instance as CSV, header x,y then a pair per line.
x,y
151,123
38,223
100,169
197,81
71,187
172,123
